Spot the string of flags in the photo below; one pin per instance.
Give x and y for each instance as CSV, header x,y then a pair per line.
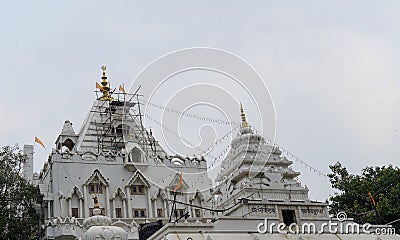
x,y
292,156
191,115
172,132
220,140
206,151
208,119
219,158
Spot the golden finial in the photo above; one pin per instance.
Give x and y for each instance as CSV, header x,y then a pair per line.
x,y
244,122
105,88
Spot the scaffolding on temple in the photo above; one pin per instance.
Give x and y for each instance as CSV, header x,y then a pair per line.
x,y
119,120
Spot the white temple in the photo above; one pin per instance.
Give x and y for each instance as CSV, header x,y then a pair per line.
x,y
111,158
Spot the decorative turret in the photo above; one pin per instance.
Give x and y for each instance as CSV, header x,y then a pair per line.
x,y
67,129
105,89
67,137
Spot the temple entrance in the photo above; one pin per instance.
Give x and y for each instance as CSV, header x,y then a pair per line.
x,y
289,217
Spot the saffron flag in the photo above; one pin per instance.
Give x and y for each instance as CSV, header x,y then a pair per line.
x,y
179,185
37,140
122,89
372,198
98,86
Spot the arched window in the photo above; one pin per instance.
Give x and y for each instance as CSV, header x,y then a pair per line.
x,y
69,144
136,154
75,197
95,186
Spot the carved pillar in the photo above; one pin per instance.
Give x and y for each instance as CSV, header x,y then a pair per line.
x,y
108,212
61,207
85,195
192,210
114,214
166,210
149,203
80,208
128,198
166,203
123,208
155,209
49,209
186,201
69,207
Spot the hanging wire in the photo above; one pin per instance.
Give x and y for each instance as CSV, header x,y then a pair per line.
x,y
208,119
207,151
220,140
292,156
208,209
191,115
173,133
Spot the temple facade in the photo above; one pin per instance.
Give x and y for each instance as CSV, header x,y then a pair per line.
x,y
116,161
110,158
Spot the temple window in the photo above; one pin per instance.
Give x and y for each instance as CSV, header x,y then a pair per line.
x,y
136,154
139,213
118,213
160,212
95,188
69,144
179,213
137,189
75,212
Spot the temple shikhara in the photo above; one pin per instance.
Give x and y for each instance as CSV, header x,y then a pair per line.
x,y
113,180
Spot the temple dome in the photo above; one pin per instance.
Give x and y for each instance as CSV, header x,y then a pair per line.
x,y
99,227
97,220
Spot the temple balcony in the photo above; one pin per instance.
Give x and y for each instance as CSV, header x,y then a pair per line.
x,y
133,166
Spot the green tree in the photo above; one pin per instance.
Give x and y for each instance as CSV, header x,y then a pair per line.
x,y
18,217
382,182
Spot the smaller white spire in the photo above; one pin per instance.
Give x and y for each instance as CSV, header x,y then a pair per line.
x,y
67,128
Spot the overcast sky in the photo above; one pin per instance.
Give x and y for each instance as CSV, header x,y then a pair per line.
x,y
332,68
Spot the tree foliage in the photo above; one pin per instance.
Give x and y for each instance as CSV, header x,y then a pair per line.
x,y
18,217
382,182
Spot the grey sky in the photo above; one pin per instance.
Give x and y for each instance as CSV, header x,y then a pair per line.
x,y
331,66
